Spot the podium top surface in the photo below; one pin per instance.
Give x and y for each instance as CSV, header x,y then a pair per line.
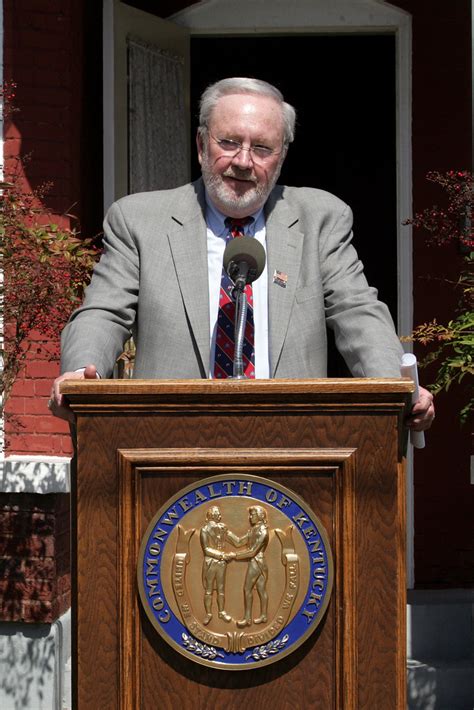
x,y
130,391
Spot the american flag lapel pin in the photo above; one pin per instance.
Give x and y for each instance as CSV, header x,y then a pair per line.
x,y
280,278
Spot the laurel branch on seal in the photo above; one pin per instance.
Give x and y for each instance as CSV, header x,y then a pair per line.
x,y
261,652
200,649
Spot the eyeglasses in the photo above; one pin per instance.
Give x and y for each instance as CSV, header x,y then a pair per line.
x,y
231,147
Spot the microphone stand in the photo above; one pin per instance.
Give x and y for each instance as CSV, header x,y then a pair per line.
x,y
240,320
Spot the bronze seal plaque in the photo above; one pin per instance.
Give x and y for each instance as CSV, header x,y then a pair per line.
x,y
235,572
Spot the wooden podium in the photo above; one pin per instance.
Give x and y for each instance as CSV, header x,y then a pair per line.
x,y
338,444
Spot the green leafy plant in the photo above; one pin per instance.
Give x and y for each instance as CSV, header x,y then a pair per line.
x,y
45,268
452,343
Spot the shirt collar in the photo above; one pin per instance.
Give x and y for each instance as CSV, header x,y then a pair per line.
x,y
215,220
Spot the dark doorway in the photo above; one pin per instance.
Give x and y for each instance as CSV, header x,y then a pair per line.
x,y
343,88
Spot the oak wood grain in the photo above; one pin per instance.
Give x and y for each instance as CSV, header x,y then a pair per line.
x,y
336,445
162,388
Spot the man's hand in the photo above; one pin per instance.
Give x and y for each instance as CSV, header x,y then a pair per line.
x,y
422,413
56,404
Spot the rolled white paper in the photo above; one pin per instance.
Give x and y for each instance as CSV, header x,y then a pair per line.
x,y
408,368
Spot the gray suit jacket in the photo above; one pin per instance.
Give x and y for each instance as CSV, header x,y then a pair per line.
x,y
152,280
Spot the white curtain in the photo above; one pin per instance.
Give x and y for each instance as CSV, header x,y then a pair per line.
x,y
157,125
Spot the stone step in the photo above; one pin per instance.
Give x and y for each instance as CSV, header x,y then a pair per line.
x,y
440,685
440,636
440,624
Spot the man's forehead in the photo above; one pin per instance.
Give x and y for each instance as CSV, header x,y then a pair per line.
x,y
248,106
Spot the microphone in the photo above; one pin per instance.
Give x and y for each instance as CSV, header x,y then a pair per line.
x,y
244,261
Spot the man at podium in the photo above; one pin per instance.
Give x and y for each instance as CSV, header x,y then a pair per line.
x,y
161,279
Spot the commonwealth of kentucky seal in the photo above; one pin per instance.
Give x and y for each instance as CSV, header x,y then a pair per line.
x,y
235,572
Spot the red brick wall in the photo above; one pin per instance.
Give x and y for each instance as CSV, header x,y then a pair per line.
x,y
30,428
58,126
35,576
44,54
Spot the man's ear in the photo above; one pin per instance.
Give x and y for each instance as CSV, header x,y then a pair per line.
x,y
200,145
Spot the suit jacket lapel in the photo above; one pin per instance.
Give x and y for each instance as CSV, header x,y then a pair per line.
x,y
284,251
188,244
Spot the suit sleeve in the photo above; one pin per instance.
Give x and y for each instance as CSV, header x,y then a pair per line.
x,y
363,328
97,331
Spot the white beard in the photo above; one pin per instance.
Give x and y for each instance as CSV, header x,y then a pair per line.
x,y
225,199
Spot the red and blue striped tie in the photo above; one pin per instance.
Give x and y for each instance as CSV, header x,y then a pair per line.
x,y
225,330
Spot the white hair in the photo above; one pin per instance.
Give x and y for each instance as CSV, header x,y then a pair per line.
x,y
242,85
